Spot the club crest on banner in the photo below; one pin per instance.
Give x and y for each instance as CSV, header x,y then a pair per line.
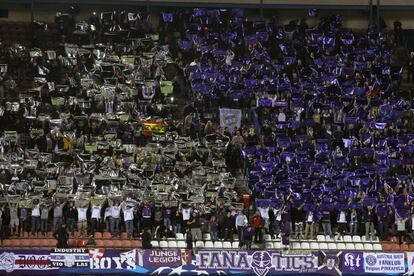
x,y
230,118
261,263
7,261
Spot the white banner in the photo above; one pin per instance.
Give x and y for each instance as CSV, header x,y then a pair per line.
x,y
410,263
230,118
384,262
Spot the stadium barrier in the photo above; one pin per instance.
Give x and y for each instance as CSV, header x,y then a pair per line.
x,y
202,262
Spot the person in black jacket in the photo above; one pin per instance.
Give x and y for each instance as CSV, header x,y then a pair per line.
x,y
189,239
71,216
228,227
62,236
146,239
272,222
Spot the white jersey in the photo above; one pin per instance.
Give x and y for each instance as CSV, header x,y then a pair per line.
x,y
186,213
96,212
82,214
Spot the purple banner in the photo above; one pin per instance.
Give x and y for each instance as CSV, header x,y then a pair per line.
x,y
112,259
26,262
352,262
156,258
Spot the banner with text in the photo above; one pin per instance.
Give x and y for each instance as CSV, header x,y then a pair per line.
x,y
410,263
384,262
262,263
156,258
25,262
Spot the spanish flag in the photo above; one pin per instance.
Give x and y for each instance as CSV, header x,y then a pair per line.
x,y
154,128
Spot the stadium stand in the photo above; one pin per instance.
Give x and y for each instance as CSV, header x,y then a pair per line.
x,y
208,131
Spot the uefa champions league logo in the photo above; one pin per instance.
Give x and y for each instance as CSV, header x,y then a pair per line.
x,y
261,263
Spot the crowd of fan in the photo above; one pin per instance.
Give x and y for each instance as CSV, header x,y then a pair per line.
x,y
325,137
327,131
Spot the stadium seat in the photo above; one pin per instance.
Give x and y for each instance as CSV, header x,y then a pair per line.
x,y
269,245
108,243
49,235
332,246
107,235
126,244
117,243
98,235
136,244
155,244
374,239
341,246
347,238
124,236
218,244
179,236
393,239
181,244
53,243
227,245
320,238
368,247
235,245
163,244
44,243
35,242
404,247
377,247
323,246
305,246
329,239
199,244
350,246
386,246
99,243
359,246
14,242
411,246
172,244
356,238
72,243
277,245
314,246
208,244
267,237
295,245
24,243
206,237
395,247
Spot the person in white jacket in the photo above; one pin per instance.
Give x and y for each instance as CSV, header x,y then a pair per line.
x,y
115,215
128,212
241,223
